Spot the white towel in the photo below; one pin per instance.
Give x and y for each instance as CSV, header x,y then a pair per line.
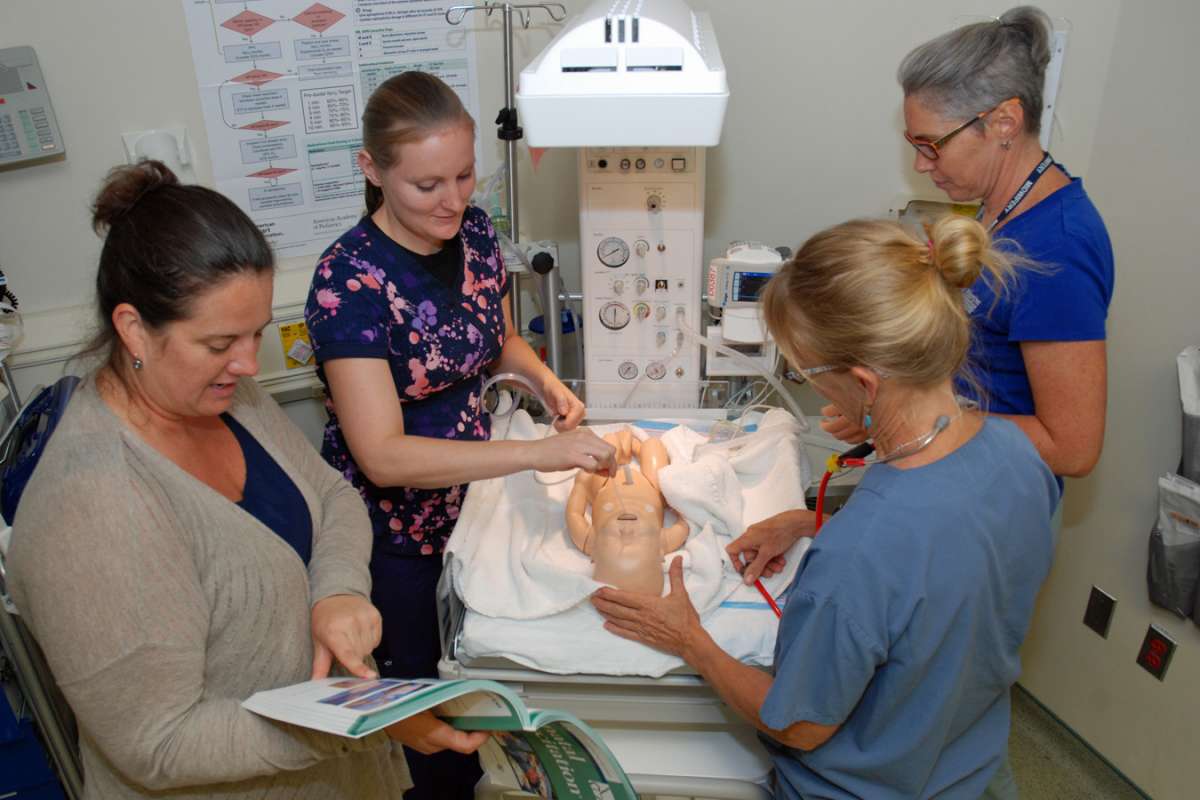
x,y
575,640
510,554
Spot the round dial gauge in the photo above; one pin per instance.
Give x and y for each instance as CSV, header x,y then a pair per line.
x,y
656,370
613,251
614,316
627,370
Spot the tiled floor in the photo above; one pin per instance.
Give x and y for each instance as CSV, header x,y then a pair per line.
x,y
1050,763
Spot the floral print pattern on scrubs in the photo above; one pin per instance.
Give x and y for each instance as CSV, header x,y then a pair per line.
x,y
372,298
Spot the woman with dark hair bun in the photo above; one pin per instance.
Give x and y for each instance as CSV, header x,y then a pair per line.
x,y
181,546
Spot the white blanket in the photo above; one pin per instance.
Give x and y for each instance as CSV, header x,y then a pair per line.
x,y
510,555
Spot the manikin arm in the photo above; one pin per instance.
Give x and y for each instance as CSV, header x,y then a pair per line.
x,y
577,524
674,536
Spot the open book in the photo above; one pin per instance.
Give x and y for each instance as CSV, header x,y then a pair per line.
x,y
535,753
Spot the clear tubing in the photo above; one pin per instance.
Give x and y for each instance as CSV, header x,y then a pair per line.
x,y
513,377
788,400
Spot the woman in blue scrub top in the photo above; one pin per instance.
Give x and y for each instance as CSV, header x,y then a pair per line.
x,y
972,112
899,638
408,314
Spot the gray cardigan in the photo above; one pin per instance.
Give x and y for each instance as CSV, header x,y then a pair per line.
x,y
161,605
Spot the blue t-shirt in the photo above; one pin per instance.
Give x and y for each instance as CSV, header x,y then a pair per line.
x,y
372,298
1064,299
270,496
903,624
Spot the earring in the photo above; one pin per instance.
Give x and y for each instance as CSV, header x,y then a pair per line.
x,y
867,421
138,363
1005,145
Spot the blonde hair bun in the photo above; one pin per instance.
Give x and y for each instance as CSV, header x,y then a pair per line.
x,y
959,247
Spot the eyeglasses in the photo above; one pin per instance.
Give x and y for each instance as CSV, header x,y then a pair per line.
x,y
931,148
804,374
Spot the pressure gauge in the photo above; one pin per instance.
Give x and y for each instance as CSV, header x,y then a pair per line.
x,y
656,370
614,316
613,251
627,370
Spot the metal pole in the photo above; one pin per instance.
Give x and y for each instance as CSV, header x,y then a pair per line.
x,y
49,722
553,319
510,159
544,265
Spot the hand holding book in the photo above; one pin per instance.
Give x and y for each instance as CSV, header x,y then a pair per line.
x,y
426,733
529,752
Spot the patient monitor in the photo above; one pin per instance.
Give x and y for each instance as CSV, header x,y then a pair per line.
x,y
626,537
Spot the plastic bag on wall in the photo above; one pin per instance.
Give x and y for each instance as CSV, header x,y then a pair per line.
x,y
1189,396
1173,571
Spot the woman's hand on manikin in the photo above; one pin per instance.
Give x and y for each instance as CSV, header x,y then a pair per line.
x,y
759,551
580,448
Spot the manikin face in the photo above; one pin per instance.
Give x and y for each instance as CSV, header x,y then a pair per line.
x,y
427,188
962,169
192,365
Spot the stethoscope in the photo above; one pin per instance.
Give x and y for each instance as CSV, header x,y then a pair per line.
x,y
857,457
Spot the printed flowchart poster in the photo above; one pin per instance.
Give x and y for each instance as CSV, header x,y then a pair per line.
x,y
283,84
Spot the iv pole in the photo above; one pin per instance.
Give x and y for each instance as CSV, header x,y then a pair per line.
x,y
509,131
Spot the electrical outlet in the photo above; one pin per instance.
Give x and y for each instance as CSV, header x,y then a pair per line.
x,y
1099,612
1156,652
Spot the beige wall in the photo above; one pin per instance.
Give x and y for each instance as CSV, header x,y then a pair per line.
x,y
1144,176
812,137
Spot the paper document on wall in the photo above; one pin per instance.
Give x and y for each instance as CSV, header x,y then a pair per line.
x,y
283,84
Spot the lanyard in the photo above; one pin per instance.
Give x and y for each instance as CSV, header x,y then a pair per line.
x,y
1042,166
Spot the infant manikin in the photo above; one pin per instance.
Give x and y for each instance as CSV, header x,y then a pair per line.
x,y
625,538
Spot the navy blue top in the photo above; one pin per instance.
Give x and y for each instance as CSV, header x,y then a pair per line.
x,y
372,298
270,495
904,621
1064,298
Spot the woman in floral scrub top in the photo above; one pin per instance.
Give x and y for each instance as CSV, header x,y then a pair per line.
x,y
408,316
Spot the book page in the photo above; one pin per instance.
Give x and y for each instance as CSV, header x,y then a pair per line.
x,y
552,762
483,711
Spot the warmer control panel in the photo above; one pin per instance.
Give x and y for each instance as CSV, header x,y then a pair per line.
x,y
641,243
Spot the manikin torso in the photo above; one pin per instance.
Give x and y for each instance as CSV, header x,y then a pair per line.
x,y
625,536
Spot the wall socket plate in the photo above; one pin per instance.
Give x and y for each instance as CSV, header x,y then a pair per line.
x,y
1099,613
1156,652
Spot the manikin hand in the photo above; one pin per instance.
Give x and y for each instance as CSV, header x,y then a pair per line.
x,y
346,627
